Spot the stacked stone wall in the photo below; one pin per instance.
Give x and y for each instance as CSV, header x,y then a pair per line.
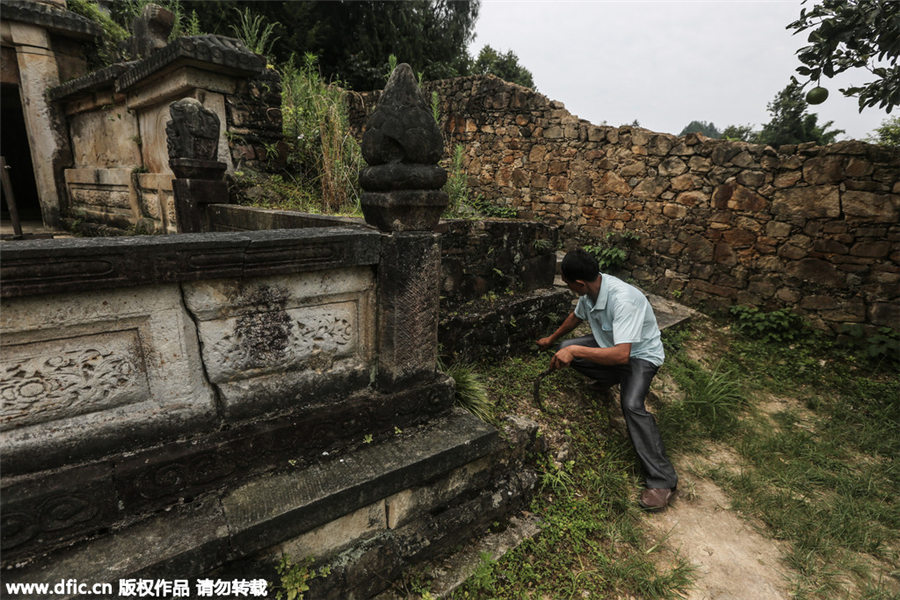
x,y
720,222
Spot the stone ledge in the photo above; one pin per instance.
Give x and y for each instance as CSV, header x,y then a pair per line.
x,y
233,217
56,21
197,537
69,265
90,83
228,55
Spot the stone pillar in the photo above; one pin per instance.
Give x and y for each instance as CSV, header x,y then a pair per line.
x,y
192,138
39,72
402,197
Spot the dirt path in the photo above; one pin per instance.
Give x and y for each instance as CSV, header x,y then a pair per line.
x,y
733,561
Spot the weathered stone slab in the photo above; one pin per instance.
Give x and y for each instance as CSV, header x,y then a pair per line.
x,y
41,513
105,368
49,380
68,265
283,335
231,217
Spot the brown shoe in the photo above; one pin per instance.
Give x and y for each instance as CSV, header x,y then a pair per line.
x,y
654,499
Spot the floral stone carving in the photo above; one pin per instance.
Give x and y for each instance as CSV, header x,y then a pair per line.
x,y
402,145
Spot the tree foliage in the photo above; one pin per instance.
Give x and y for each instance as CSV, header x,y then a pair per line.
x,y
354,39
888,134
707,129
791,124
505,66
854,34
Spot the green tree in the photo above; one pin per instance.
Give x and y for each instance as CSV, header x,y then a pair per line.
x,y
354,39
888,134
854,34
740,133
505,66
791,124
707,129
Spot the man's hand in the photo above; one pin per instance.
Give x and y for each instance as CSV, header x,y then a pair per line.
x,y
563,358
545,342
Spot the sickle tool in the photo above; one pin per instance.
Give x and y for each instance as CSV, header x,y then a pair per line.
x,y
537,388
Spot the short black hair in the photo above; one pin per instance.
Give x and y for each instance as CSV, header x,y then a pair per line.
x,y
579,265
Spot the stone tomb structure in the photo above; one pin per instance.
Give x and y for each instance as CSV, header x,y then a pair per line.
x,y
195,405
121,176
42,45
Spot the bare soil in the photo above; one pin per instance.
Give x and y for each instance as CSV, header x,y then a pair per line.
x,y
732,560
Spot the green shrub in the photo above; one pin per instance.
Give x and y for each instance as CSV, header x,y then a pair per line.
x,y
487,208
612,254
255,32
113,33
294,577
880,346
710,407
609,258
777,326
457,186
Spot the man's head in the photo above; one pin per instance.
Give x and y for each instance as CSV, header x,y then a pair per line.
x,y
579,268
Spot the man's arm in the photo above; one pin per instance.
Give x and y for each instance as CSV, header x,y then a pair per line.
x,y
568,325
617,355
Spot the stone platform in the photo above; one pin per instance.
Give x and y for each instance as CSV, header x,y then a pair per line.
x,y
367,513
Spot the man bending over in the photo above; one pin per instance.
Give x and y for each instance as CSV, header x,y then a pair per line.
x,y
624,348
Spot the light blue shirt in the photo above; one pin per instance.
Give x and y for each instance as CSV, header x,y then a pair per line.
x,y
622,315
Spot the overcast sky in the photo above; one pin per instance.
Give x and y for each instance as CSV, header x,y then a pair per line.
x,y
664,63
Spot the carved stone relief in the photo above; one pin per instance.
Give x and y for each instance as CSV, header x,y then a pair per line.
x,y
87,372
279,336
44,381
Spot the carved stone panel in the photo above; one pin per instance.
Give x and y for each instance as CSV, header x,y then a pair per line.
x,y
272,341
87,373
44,381
280,339
408,297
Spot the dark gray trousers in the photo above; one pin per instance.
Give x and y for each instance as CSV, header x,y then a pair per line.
x,y
634,380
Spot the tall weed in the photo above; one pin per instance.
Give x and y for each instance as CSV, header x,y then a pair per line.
x,y
315,125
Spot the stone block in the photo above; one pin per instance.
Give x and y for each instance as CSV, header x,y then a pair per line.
x,y
672,167
815,271
878,249
808,202
885,314
825,169
744,199
778,229
650,188
787,179
675,211
868,206
408,278
105,139
344,531
269,510
40,514
107,369
283,332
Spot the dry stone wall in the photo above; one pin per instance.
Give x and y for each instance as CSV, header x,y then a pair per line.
x,y
720,223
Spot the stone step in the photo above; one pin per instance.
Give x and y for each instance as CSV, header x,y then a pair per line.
x,y
193,539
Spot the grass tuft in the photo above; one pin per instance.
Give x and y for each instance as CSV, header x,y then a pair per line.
x,y
470,392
